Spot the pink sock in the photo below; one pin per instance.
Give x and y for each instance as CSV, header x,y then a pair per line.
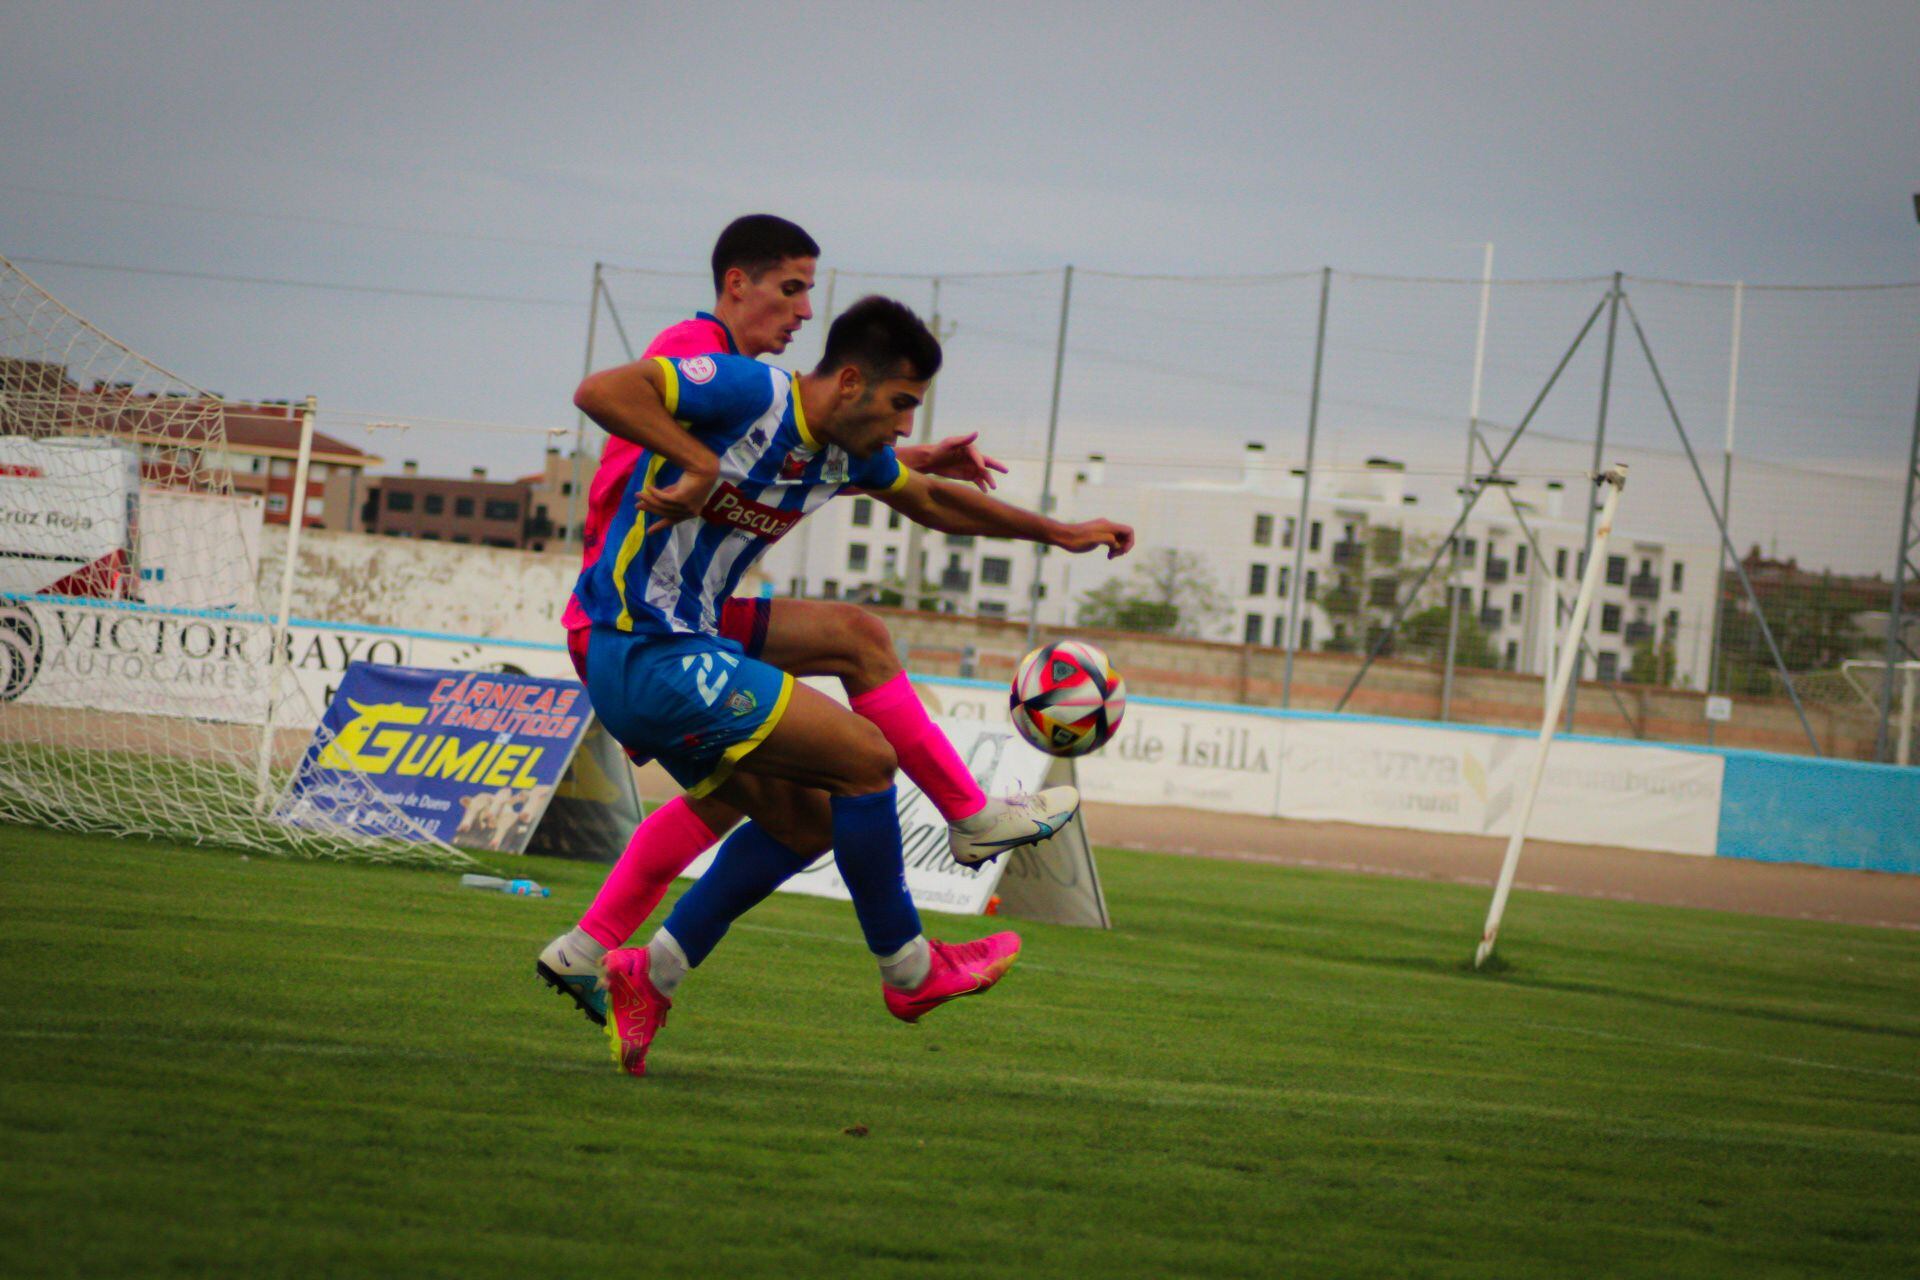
x,y
925,754
671,837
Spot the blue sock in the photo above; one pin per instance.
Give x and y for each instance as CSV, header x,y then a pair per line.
x,y
866,846
750,865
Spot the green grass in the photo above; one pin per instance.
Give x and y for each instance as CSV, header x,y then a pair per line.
x,y
223,1067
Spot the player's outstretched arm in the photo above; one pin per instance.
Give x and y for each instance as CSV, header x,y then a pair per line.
x,y
955,508
630,402
955,458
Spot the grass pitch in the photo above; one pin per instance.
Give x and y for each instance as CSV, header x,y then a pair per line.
x,y
225,1067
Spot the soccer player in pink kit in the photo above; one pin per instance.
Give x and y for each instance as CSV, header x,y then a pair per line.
x,y
763,270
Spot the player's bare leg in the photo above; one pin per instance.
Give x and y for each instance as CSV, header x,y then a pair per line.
x,y
664,845
807,638
821,777
817,637
819,745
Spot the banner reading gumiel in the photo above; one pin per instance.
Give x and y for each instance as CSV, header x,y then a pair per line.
x,y
468,757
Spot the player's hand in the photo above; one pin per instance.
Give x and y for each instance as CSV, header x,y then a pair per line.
x,y
955,458
1117,538
681,500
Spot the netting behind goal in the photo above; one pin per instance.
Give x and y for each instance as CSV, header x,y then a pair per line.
x,y
137,694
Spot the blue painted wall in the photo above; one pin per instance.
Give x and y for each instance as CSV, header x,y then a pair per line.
x,y
1835,813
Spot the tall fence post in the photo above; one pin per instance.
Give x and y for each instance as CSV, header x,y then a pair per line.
x,y
1046,470
1298,592
1599,446
1726,537
1466,484
1903,551
576,500
913,579
1726,496
824,322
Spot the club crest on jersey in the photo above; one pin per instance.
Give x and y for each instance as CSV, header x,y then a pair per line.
x,y
729,506
698,369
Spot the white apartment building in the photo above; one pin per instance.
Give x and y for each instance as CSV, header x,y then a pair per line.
x,y
1367,535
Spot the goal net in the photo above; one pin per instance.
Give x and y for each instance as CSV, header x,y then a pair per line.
x,y
139,693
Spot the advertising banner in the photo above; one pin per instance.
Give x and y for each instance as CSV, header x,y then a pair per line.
x,y
1056,879
1192,757
1387,773
212,664
1395,775
69,511
120,656
470,758
1633,797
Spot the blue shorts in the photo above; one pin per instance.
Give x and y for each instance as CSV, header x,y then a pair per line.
x,y
693,703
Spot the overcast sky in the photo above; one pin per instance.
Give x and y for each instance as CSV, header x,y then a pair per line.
x,y
502,149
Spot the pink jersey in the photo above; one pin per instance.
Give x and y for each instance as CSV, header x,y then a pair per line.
x,y
704,335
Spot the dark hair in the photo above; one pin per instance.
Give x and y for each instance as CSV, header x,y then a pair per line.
x,y
877,335
756,242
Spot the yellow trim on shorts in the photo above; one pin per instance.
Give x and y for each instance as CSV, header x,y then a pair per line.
x,y
671,392
630,547
800,412
738,751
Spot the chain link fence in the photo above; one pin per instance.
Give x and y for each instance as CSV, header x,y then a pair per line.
x,y
1380,487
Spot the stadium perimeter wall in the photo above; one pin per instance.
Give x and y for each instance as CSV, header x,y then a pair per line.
x,y
428,603
518,595
1207,756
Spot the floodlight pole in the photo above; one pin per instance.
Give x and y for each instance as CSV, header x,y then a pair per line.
x,y
1599,446
296,517
1902,561
1902,565
575,534
1473,434
1615,480
805,556
1726,538
1493,473
1046,469
1726,495
1297,596
916,532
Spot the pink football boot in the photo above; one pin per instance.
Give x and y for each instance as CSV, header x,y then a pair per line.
x,y
635,1008
959,969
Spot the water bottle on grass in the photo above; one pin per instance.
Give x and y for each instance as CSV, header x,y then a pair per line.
x,y
523,888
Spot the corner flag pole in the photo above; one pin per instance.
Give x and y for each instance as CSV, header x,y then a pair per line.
x,y
1615,480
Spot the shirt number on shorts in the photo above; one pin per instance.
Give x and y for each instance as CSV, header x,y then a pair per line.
x,y
702,677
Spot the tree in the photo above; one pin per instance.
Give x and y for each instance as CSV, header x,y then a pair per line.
x,y
1814,620
1377,568
1424,635
1651,665
1168,592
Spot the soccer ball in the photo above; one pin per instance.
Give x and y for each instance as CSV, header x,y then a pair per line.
x,y
1067,699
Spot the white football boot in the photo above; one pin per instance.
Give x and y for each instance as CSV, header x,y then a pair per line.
x,y
565,968
1011,823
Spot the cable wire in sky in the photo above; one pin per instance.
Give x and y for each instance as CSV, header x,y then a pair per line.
x,y
571,304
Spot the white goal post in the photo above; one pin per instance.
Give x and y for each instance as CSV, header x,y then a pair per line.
x,y
138,689
1614,480
1906,695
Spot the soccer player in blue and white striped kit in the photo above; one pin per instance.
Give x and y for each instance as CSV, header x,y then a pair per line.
x,y
736,452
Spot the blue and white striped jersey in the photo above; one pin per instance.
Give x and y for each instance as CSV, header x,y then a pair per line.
x,y
673,578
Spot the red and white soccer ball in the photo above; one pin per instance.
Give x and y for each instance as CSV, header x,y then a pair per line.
x,y
1067,699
